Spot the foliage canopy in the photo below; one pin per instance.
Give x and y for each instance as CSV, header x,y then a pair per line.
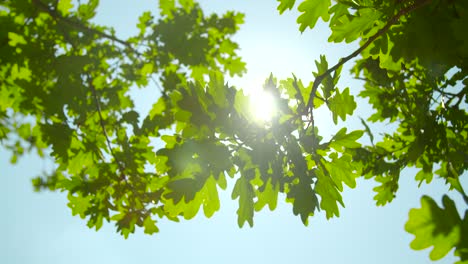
x,y
65,83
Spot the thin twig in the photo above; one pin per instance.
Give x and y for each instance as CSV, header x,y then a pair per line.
x,y
158,86
85,28
391,22
103,126
458,95
119,164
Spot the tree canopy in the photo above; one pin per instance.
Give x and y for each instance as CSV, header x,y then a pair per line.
x,y
65,87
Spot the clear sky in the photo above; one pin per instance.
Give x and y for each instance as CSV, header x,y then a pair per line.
x,y
39,228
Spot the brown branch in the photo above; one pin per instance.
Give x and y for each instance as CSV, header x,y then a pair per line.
x,y
57,16
391,22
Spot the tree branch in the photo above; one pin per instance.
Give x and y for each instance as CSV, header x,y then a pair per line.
x,y
57,16
103,126
391,22
123,176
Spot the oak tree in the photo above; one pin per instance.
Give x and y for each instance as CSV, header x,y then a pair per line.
x,y
65,87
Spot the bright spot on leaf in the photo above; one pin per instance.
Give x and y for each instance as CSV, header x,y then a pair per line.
x,y
262,105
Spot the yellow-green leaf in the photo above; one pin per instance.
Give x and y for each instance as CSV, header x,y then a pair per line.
x,y
64,6
434,226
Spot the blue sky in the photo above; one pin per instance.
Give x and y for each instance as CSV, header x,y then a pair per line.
x,y
39,228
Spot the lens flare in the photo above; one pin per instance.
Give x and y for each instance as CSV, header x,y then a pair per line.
x,y
262,105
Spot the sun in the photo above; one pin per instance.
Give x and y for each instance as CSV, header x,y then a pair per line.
x,y
262,105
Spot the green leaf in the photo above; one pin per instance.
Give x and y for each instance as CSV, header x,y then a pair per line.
x,y
20,73
268,196
64,6
59,136
435,226
15,39
167,7
341,170
158,108
342,140
144,21
285,4
147,69
88,11
311,11
79,162
326,188
183,116
150,226
349,28
244,191
235,66
424,175
222,183
241,104
25,130
341,104
368,131
217,89
304,200
210,197
79,204
327,84
187,209
385,192
187,4
184,188
296,90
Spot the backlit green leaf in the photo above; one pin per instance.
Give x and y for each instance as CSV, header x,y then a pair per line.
x,y
349,28
285,4
268,196
150,226
210,197
15,39
311,11
64,6
326,188
304,200
341,104
342,140
79,204
167,7
435,226
244,191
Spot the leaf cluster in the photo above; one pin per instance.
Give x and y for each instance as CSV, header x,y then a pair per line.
x,y
413,65
65,87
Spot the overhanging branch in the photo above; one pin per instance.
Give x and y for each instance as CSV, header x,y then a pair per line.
x,y
391,22
57,16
